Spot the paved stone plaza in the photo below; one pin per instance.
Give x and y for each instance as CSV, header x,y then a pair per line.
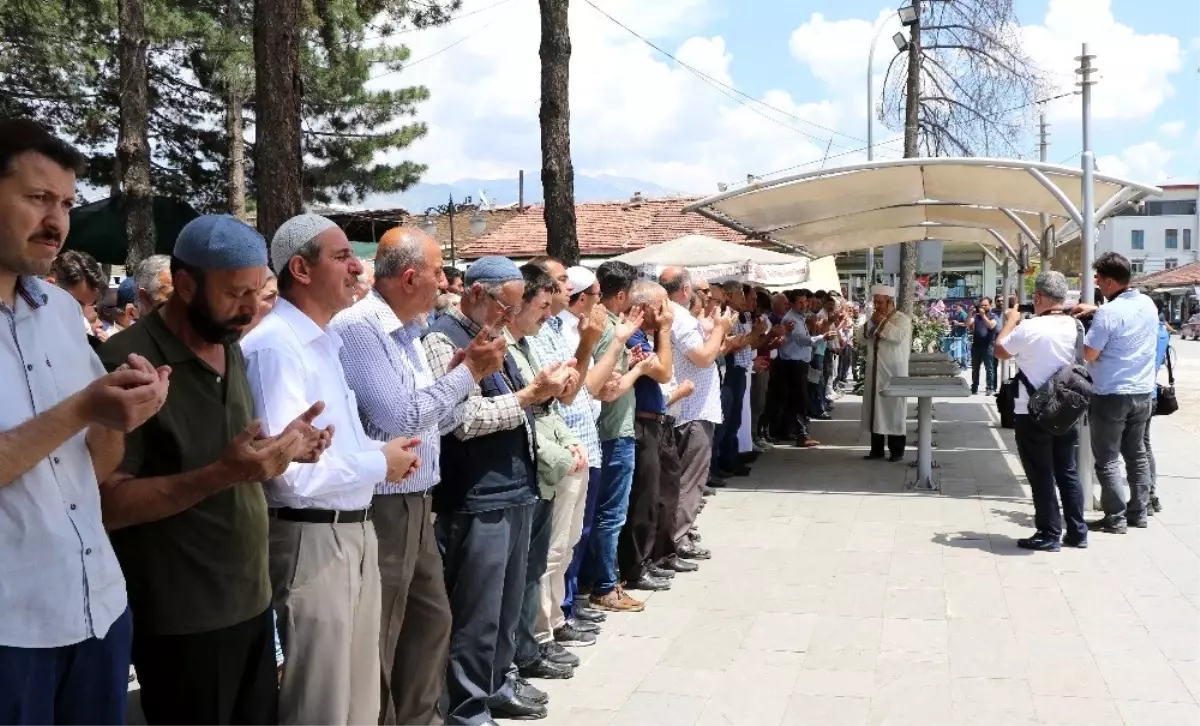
x,y
835,596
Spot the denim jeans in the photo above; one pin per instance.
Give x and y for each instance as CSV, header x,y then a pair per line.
x,y
985,355
612,504
1119,424
1049,463
725,441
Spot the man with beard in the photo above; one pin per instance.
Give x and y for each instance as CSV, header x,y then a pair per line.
x,y
324,558
398,397
186,508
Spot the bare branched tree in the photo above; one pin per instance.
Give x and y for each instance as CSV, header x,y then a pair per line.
x,y
978,87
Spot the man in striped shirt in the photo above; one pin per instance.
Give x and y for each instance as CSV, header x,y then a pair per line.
x,y
397,395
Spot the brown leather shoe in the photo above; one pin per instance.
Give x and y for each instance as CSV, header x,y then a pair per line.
x,y
807,443
613,602
635,606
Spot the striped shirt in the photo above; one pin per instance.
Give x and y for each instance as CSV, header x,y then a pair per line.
x,y
550,345
386,368
705,402
743,357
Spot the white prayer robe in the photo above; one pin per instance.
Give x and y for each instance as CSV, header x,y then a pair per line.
x,y
888,351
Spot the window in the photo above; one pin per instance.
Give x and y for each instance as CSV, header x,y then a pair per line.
x,y
1137,267
1187,239
1172,239
1137,239
1171,206
1170,263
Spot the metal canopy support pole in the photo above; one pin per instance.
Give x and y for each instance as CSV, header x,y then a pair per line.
x,y
925,445
1043,147
871,141
1087,240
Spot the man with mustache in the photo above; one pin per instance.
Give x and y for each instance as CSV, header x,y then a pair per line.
x,y
66,631
186,508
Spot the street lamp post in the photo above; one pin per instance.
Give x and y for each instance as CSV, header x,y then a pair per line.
x,y
1087,240
429,222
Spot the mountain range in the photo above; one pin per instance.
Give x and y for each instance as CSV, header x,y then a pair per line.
x,y
501,192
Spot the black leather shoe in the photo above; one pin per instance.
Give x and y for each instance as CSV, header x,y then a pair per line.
x,y
872,456
693,552
824,417
554,652
1140,522
741,471
542,668
681,565
717,482
1041,542
654,584
1080,543
589,615
1108,525
896,457
1155,504
661,573
584,626
519,709
529,692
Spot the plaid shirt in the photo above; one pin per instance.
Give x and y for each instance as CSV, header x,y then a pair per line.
x,y
481,415
744,357
551,346
705,402
386,368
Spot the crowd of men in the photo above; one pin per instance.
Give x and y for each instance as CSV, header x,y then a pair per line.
x,y
428,487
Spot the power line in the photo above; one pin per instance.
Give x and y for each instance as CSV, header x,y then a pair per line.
x,y
719,85
436,53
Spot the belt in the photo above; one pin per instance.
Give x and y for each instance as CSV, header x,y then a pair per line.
x,y
321,516
648,416
423,494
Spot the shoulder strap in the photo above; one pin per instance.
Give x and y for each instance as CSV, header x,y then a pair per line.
x,y
1170,368
1024,382
1078,341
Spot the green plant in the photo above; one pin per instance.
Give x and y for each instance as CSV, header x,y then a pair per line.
x,y
928,333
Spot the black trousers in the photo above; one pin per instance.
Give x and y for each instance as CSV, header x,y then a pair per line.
x,y
669,483
635,544
983,355
225,676
485,555
790,380
531,602
1049,463
895,444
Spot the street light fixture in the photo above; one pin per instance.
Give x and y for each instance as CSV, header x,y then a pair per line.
x,y
900,41
429,222
908,15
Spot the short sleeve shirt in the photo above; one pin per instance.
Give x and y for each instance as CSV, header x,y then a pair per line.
x,y
705,402
983,334
1125,331
1040,346
616,417
648,393
206,567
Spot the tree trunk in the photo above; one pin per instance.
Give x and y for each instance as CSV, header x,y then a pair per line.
x,y
558,175
278,164
236,175
133,142
912,107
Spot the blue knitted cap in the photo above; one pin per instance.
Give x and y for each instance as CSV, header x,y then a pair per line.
x,y
492,269
221,242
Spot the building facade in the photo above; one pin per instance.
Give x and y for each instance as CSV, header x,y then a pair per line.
x,y
1162,234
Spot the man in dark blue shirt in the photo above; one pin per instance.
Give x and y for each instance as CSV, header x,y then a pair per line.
x,y
984,325
656,460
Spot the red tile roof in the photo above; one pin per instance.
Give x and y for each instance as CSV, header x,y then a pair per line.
x,y
1188,274
605,229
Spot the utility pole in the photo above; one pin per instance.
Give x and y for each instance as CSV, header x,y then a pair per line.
x,y
912,120
1087,237
1047,246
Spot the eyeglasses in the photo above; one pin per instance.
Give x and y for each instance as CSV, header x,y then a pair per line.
x,y
509,310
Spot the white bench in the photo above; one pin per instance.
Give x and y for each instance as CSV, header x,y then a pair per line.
x,y
925,389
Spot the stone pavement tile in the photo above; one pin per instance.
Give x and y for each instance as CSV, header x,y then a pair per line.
x,y
1179,641
1060,711
805,710
871,536
796,599
759,671
915,636
916,670
1160,610
657,708
1143,679
860,595
752,709
710,643
780,631
746,557
917,538
912,701
824,537
853,562
878,509
678,681
991,695
815,682
1150,713
1066,675
923,603
1149,583
579,717
1189,673
1108,605
975,596
1127,637
591,689
972,717
623,655
916,570
984,648
845,643
1047,607
662,621
1020,574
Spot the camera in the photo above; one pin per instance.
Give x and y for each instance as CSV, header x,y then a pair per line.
x,y
1025,308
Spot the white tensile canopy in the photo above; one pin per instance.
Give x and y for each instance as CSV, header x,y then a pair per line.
x,y
963,200
711,259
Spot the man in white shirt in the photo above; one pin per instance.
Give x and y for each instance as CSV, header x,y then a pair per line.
x,y
1041,346
324,555
66,632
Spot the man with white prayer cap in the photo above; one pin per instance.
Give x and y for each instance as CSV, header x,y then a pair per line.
x,y
324,555
887,337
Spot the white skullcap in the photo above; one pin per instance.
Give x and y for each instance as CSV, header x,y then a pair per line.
x,y
885,290
294,234
581,279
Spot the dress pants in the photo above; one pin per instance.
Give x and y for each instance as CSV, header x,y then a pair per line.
x,y
669,471
895,444
570,501
792,381
415,629
695,447
1049,463
983,355
540,532
1118,427
725,437
760,382
636,544
84,683
571,581
327,594
224,676
486,555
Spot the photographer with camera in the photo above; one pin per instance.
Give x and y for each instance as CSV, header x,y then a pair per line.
x,y
1041,346
984,324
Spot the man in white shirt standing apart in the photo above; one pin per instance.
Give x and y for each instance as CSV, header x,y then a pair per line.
x,y
322,538
1041,346
66,632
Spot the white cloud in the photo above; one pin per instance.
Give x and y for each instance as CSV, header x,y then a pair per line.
x,y
1145,162
633,112
1134,68
1172,129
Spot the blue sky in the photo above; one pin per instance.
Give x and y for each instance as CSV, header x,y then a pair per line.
x,y
638,114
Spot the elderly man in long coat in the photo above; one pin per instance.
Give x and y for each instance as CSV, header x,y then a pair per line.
x,y
887,337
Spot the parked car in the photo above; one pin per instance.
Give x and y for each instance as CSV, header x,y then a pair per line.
x,y
1190,329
